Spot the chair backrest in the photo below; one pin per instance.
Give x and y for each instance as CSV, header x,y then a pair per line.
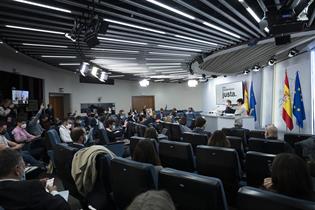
x,y
222,163
103,137
258,167
195,139
178,155
140,129
133,143
250,198
53,137
168,127
130,178
256,134
176,132
192,191
63,155
266,146
293,138
237,144
239,132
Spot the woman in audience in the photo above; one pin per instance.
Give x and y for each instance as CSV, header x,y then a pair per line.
x,y
218,139
145,152
151,133
153,200
271,132
290,176
64,131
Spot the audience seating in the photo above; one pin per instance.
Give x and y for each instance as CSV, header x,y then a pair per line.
x,y
250,198
168,127
292,138
191,191
239,132
176,133
266,146
258,167
222,163
140,129
256,134
130,178
177,155
195,139
134,141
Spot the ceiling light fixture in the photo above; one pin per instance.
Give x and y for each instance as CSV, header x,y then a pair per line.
x,y
272,61
170,54
44,6
162,64
171,9
144,83
103,77
34,29
246,72
69,64
253,14
221,29
84,68
58,56
179,48
120,40
163,67
196,40
163,70
293,52
114,50
116,58
94,71
113,76
192,83
256,68
134,26
164,59
44,45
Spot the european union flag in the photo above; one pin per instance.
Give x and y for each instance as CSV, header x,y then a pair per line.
x,y
298,105
252,102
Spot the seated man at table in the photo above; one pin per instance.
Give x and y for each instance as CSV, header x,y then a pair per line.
x,y
17,193
228,108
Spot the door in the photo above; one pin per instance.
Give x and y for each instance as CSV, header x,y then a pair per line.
x,y
139,102
57,104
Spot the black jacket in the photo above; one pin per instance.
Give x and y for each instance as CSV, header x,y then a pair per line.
x,y
29,195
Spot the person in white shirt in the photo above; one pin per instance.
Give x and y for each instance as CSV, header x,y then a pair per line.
x,y
240,112
64,131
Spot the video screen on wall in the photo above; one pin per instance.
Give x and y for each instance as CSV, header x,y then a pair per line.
x,y
20,96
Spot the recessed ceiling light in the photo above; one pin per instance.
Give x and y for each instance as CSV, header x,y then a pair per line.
x,y
122,65
253,14
162,64
43,5
164,59
34,29
120,40
163,67
58,56
221,29
171,9
196,40
1,42
163,70
116,58
114,50
159,80
44,45
267,29
179,48
69,64
134,26
170,72
113,76
170,54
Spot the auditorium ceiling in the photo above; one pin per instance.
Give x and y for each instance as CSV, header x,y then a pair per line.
x,y
153,39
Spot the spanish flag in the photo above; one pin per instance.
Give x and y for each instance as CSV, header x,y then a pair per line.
x,y
286,106
246,102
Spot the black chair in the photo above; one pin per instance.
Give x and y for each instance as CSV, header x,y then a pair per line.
x,y
258,167
237,144
292,138
250,198
195,139
256,134
130,178
238,132
140,129
222,163
134,141
176,133
168,127
191,191
178,155
266,146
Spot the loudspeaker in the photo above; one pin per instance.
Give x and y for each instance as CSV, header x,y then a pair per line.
x,y
280,40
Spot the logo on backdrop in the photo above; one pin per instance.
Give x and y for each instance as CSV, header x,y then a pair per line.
x,y
229,91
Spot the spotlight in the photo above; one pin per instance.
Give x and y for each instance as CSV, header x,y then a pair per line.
x,y
204,78
144,83
103,76
246,72
192,83
293,52
214,76
272,61
256,68
84,69
95,71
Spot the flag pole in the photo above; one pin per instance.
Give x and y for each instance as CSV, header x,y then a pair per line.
x,y
299,130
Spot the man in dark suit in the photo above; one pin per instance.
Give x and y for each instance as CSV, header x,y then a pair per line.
x,y
78,138
17,193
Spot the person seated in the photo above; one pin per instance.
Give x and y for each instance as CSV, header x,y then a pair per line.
x,y
182,124
20,134
145,152
151,133
290,176
64,131
78,138
218,139
111,130
18,193
153,200
200,126
271,132
228,108
34,126
160,115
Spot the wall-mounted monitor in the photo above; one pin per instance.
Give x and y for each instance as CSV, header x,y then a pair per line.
x,y
20,96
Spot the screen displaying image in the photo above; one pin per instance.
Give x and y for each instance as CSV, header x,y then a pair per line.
x,y
20,96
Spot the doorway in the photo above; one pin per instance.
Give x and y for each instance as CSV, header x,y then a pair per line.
x,y
60,104
139,102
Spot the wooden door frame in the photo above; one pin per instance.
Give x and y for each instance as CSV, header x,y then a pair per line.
x,y
152,96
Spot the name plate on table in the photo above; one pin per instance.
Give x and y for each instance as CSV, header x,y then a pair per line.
x,y
229,91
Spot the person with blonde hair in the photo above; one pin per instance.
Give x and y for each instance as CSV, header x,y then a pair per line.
x,y
271,132
152,200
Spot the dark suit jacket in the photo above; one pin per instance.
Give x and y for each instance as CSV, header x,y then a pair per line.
x,y
29,195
